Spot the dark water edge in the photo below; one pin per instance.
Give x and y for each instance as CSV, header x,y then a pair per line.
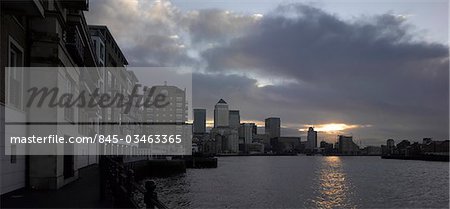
x,y
440,158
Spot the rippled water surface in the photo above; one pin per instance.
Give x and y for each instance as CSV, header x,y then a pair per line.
x,y
310,181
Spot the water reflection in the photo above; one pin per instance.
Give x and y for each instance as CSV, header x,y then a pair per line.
x,y
309,182
333,186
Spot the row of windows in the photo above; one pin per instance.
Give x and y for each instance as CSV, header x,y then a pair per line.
x,y
116,49
153,109
14,82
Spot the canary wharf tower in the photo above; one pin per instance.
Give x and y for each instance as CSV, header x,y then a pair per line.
x,y
221,114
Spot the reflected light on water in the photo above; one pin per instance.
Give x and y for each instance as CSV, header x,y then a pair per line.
x,y
333,188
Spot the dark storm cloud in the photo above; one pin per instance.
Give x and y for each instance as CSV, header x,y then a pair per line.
x,y
371,70
318,46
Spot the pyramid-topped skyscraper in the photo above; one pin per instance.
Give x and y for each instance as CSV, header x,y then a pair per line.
x,y
221,115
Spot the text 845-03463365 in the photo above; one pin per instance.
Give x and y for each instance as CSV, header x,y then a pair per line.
x,y
150,139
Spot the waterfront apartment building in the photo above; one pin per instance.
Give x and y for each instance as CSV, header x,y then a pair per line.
x,y
169,119
199,121
346,146
55,34
45,34
272,127
326,148
115,79
371,151
175,111
286,144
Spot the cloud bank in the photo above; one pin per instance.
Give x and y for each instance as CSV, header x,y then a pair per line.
x,y
297,62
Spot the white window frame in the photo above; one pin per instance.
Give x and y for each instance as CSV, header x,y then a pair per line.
x,y
11,40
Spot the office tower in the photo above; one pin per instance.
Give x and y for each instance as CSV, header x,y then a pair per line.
x,y
272,127
226,140
235,119
246,132
255,129
311,139
199,121
390,145
221,115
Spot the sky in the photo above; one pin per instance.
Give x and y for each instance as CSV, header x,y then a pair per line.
x,y
371,69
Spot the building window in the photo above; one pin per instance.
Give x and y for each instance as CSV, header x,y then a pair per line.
x,y
69,111
15,74
13,154
102,51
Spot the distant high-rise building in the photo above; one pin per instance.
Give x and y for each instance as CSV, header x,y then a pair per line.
x,y
389,148
199,121
246,132
255,129
176,111
226,140
264,139
311,143
390,143
346,146
326,148
235,119
272,127
221,115
427,140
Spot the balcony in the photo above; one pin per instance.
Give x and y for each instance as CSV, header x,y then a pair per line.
x,y
24,7
76,4
74,44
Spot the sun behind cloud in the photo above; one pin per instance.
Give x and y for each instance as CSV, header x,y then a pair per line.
x,y
333,127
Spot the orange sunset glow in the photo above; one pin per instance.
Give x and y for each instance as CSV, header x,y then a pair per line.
x,y
333,127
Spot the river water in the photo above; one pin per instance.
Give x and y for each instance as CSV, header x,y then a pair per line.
x,y
310,181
